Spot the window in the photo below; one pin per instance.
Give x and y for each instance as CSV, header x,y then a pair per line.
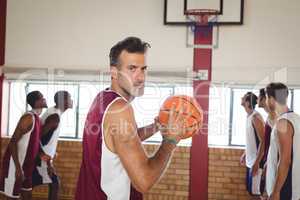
x,y
153,98
17,104
230,129
227,118
68,119
296,100
219,112
87,93
146,108
238,123
239,116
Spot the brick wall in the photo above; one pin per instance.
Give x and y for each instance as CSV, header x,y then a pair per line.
x,y
226,177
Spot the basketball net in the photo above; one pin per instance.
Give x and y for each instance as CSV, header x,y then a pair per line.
x,y
202,17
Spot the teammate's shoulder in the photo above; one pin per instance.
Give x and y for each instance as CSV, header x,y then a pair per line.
x,y
120,106
27,117
120,121
257,116
26,121
284,125
53,117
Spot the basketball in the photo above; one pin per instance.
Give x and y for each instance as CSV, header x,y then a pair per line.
x,y
191,110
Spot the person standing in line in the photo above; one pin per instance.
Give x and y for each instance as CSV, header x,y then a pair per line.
x,y
44,172
283,163
23,147
255,144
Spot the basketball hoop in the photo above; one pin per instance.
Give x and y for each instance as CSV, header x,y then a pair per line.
x,y
202,17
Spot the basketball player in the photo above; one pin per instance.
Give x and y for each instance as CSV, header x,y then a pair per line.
x,y
113,155
268,129
269,122
18,161
283,174
254,145
44,172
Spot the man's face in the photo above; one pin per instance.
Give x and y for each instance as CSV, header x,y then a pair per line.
x,y
131,73
40,102
243,101
68,102
270,103
261,101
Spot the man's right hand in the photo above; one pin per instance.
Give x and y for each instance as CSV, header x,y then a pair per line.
x,y
243,159
175,128
45,157
19,174
50,170
264,173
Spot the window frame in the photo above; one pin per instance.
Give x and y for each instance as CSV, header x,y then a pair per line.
x,y
230,144
77,87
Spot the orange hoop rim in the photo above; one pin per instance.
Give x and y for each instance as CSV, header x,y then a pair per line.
x,y
199,12
201,16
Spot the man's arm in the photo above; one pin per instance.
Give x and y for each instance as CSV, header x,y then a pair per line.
x,y
51,124
285,133
24,125
147,131
259,127
243,159
143,172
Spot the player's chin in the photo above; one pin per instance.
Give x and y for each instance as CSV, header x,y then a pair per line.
x,y
138,92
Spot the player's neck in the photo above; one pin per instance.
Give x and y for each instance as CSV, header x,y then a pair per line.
x,y
249,111
281,109
266,109
61,109
37,111
272,115
121,92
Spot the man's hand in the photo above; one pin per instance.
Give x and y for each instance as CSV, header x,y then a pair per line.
x,y
50,169
45,157
274,196
19,174
157,125
254,169
264,173
243,159
176,126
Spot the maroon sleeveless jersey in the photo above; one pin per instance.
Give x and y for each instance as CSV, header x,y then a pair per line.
x,y
28,148
88,185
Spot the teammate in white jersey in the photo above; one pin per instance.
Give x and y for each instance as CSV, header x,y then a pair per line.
x,y
255,142
270,121
283,163
23,147
44,172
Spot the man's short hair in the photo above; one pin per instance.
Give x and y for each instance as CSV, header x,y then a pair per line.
x,y
278,91
32,97
262,93
252,99
60,97
131,45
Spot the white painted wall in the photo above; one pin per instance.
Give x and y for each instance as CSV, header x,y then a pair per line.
x,y
267,44
79,33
